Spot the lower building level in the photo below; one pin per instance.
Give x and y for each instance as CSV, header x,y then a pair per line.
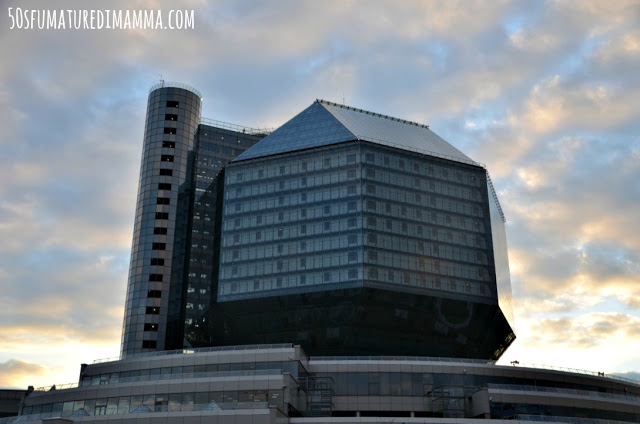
x,y
280,383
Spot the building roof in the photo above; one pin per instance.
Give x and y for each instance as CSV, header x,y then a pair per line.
x,y
325,123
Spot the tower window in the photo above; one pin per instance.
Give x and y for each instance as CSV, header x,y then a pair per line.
x,y
155,277
170,117
169,144
158,246
152,310
164,186
160,230
163,201
150,327
149,344
154,293
162,215
172,103
166,172
171,131
157,262
166,158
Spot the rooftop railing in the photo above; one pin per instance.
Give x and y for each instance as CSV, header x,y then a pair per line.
x,y
525,388
196,350
171,84
236,128
162,377
576,371
402,358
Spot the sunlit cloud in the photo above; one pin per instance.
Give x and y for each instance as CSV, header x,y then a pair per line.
x,y
14,371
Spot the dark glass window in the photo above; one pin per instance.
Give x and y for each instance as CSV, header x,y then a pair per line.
x,y
169,144
172,103
164,186
163,201
157,261
166,158
154,293
158,246
150,327
162,215
149,344
171,131
155,277
166,172
170,117
159,230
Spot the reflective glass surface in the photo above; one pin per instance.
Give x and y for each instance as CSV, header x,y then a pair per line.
x,y
501,258
292,224
169,181
216,147
313,127
305,235
325,123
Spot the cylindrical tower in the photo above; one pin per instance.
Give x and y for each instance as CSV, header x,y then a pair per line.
x,y
161,225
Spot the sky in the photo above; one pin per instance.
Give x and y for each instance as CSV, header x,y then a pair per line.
x,y
545,93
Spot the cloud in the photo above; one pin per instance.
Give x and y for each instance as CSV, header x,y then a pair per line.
x,y
585,331
13,372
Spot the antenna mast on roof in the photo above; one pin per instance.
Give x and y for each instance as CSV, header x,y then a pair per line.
x,y
161,80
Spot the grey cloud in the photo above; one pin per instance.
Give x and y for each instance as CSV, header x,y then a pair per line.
x,y
584,332
12,369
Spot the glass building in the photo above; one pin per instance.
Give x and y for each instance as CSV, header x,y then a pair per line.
x,y
172,270
350,233
340,229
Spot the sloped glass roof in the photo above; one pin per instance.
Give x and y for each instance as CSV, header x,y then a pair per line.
x,y
324,123
313,127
